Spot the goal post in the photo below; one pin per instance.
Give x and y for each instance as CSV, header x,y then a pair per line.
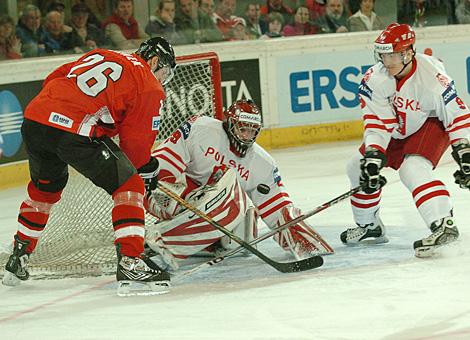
x,y
78,239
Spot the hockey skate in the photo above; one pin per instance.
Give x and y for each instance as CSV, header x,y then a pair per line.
x,y
140,276
443,231
16,269
373,233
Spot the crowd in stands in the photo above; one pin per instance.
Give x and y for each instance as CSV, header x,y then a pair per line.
x,y
45,30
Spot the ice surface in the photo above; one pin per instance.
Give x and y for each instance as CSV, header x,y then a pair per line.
x,y
374,292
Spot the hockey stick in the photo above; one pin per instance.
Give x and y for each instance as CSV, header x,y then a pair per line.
x,y
289,267
272,232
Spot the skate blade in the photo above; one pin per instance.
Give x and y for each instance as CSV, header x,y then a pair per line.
x,y
369,242
10,279
437,250
132,288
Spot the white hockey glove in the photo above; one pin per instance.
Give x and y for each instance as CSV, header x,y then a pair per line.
x,y
461,154
300,239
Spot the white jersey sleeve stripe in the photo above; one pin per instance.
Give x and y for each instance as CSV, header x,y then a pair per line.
x,y
171,155
169,161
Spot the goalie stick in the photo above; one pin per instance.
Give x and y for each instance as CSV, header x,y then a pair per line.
x,y
288,267
272,232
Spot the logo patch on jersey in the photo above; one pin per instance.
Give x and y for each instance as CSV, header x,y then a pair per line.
x,y
443,80
365,90
185,129
60,119
450,93
215,199
276,175
156,123
368,74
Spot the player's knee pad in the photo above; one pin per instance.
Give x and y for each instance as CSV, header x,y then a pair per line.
x,y
415,170
353,168
37,194
51,185
131,193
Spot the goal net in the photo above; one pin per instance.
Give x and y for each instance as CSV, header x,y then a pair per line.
x,y
78,239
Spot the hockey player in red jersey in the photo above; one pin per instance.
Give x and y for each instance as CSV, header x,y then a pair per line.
x,y
70,122
218,167
412,113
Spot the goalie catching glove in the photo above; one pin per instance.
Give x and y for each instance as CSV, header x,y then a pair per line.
x,y
461,154
300,239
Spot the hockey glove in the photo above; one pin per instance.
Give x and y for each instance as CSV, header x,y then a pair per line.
x,y
300,239
370,179
461,154
149,173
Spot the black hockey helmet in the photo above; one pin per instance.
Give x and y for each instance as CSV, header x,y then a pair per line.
x,y
161,48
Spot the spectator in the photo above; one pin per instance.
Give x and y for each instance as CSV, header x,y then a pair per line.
x,y
194,24
59,6
365,19
86,34
55,38
278,7
29,31
301,24
239,30
420,19
97,10
253,23
207,6
10,45
275,22
162,23
122,28
224,18
335,19
317,8
462,12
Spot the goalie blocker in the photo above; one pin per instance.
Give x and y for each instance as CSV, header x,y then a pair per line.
x,y
171,241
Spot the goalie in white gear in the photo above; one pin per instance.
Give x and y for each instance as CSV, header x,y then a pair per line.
x,y
219,168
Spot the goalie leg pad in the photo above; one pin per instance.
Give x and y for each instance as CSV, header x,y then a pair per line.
x,y
247,231
187,234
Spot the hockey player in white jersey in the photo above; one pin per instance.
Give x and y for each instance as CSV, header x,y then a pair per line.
x,y
411,113
218,167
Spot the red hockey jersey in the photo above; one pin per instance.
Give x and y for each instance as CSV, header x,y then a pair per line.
x,y
103,93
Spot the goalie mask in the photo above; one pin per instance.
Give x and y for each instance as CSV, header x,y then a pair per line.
x,y
242,122
391,47
161,48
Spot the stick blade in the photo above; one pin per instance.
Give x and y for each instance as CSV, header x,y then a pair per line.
x,y
302,265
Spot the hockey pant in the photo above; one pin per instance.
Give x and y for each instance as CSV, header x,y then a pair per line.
x,y
187,234
430,195
300,239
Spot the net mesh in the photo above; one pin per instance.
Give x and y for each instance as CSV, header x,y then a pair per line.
x,y
78,239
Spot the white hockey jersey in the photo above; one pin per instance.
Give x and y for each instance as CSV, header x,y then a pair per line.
x,y
394,109
200,146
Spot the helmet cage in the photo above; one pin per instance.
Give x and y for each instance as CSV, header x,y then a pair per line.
x,y
242,124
